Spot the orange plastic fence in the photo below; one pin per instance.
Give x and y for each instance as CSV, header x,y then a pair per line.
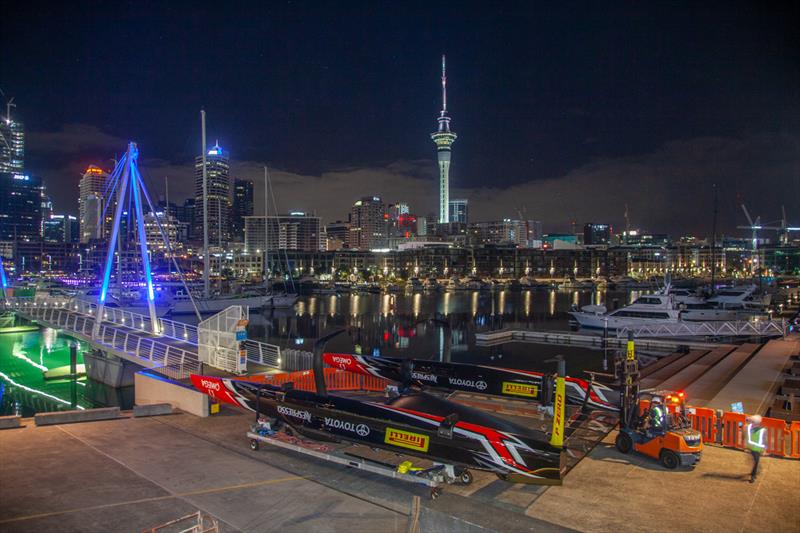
x,y
733,430
704,420
335,380
794,432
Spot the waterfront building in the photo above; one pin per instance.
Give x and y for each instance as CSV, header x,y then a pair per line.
x,y
337,235
20,207
459,211
522,233
368,224
242,207
185,215
295,231
218,185
152,232
91,194
61,228
12,144
596,234
444,139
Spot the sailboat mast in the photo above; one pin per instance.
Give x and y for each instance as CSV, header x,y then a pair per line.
x,y
714,243
206,259
266,227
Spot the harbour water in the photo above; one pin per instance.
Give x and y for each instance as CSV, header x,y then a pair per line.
x,y
438,325
25,357
423,325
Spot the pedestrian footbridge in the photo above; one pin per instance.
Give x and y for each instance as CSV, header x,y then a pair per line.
x,y
171,348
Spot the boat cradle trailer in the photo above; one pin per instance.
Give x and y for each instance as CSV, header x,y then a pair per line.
x,y
434,478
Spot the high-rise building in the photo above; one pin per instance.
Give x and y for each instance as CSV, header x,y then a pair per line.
x,y
459,211
337,235
522,233
219,188
20,207
444,139
596,234
368,224
91,195
152,231
242,207
295,231
61,228
185,215
12,143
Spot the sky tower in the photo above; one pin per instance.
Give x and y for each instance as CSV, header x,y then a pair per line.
x,y
444,138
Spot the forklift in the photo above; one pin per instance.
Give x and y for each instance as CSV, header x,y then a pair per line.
x,y
654,423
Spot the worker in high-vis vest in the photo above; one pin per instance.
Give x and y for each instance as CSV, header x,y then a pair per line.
x,y
756,441
657,418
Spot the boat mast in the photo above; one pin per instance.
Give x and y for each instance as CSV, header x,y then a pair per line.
x,y
266,227
714,242
206,259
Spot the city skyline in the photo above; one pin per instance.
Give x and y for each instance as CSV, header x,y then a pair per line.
x,y
542,132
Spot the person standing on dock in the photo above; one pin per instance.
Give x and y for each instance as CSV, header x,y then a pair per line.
x,y
755,435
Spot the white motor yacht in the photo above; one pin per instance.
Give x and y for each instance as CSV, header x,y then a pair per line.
x,y
129,300
652,309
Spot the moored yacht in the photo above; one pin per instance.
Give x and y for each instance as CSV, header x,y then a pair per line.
x,y
652,309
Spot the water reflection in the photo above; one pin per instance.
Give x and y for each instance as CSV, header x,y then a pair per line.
x,y
438,325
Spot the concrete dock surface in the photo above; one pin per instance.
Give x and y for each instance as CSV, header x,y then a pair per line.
x,y
131,474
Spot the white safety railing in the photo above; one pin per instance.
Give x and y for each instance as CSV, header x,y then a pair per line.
x,y
751,328
257,352
263,353
173,361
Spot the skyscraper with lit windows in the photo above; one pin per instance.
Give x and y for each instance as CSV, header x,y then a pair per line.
x,y
219,190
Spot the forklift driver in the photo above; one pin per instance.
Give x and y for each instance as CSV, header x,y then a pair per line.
x,y
656,416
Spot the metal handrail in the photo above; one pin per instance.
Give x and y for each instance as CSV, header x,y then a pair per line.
x,y
258,352
760,328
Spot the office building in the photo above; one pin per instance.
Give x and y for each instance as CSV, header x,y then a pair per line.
x,y
368,224
444,139
20,207
596,234
218,186
94,224
459,211
61,229
242,207
520,233
295,231
12,143
337,235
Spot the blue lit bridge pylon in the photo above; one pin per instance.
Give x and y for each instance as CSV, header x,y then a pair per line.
x,y
128,181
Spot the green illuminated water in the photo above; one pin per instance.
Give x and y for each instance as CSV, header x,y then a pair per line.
x,y
24,357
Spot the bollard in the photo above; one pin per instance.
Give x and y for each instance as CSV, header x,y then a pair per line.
x,y
73,358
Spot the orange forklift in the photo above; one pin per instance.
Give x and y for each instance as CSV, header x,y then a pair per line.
x,y
654,423
660,429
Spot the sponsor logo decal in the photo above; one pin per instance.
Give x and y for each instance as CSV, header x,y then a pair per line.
x,y
480,385
520,389
209,385
294,413
423,377
361,430
406,439
340,360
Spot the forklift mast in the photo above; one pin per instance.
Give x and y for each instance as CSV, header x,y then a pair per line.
x,y
627,374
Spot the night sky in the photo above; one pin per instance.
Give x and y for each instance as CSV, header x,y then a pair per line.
x,y
563,113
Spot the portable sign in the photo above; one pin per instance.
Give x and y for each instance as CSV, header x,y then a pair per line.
x,y
737,407
241,334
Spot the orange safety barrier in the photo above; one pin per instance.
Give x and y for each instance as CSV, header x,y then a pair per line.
x,y
794,434
733,430
776,435
704,420
335,379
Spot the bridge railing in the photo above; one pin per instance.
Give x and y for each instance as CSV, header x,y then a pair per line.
x,y
263,353
750,328
170,360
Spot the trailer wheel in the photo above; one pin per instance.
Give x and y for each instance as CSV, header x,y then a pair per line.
x,y
254,445
624,443
465,478
670,459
